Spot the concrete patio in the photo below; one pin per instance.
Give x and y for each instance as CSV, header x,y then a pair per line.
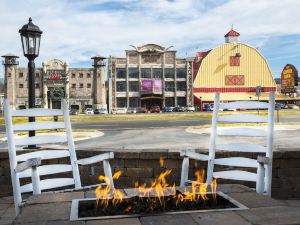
x,y
50,209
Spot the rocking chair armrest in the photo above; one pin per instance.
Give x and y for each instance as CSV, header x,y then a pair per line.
x,y
263,160
29,163
194,155
95,159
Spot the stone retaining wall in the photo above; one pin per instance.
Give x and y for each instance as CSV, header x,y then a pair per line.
x,y
144,166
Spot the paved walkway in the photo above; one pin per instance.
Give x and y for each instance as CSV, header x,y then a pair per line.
x,y
55,210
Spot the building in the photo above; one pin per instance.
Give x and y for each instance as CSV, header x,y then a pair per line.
x,y
82,87
150,75
234,69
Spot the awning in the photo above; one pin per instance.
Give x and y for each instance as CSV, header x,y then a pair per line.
x,y
151,97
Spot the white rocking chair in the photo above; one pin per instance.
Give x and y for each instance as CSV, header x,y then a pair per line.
x,y
29,164
263,164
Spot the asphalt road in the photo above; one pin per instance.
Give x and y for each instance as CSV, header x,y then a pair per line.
x,y
164,135
177,138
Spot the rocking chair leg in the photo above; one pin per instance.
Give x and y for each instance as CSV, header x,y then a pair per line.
x,y
260,179
184,171
35,181
107,173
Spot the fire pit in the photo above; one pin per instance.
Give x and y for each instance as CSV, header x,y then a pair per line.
x,y
158,198
86,209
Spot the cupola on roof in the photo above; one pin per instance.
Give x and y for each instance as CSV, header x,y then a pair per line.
x,y
232,33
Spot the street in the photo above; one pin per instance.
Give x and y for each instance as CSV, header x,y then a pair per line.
x,y
169,134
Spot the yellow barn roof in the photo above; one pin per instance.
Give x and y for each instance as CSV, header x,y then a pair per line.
x,y
233,67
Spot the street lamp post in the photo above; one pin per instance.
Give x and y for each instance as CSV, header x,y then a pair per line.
x,y
200,104
31,37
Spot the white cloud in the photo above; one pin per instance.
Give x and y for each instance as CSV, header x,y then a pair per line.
x,y
72,28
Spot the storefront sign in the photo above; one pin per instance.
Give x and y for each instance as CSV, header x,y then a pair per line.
x,y
289,79
151,86
55,75
151,58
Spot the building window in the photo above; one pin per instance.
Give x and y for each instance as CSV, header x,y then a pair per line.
x,y
181,86
133,73
121,103
181,73
73,85
134,86
169,73
170,102
21,85
88,75
146,73
121,86
234,61
181,101
73,75
121,73
157,73
37,86
80,85
134,102
37,75
89,85
169,86
81,75
21,75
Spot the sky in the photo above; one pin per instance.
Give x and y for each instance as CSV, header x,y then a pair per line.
x,y
76,30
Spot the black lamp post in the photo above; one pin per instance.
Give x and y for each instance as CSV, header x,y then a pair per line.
x,y
200,104
31,37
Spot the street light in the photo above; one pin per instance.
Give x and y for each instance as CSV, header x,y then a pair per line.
x,y
31,37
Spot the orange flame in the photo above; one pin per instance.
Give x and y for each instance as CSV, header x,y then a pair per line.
x,y
199,174
213,186
159,188
105,194
161,161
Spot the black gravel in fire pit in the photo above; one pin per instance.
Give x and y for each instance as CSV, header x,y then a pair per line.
x,y
150,205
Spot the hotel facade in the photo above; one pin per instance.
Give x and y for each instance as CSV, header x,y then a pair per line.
x,y
150,75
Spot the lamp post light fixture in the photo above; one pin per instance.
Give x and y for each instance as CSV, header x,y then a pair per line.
x,y
31,38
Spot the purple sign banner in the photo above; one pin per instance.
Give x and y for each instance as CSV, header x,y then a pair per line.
x,y
151,86
157,86
146,86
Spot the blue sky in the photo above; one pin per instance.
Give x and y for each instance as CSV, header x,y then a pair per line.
x,y
75,30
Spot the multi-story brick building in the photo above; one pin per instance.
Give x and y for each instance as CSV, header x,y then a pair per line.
x,y
150,75
82,87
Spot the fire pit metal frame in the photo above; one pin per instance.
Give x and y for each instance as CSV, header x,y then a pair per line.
x,y
75,206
